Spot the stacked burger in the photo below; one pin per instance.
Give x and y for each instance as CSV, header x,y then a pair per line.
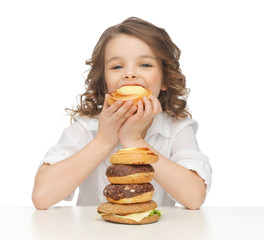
x,y
130,193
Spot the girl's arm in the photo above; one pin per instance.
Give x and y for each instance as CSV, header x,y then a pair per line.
x,y
55,182
186,186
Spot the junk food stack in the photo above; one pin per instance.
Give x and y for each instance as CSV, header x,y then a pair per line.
x,y
130,192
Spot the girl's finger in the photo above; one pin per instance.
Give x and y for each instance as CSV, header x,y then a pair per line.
x,y
122,110
106,104
156,107
148,105
129,113
140,110
111,109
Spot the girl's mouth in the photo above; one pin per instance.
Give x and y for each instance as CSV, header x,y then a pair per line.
x,y
132,84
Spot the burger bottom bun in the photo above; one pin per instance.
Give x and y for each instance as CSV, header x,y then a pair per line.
x,y
116,219
145,197
114,208
133,178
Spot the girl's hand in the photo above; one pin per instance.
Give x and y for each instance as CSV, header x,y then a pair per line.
x,y
111,119
135,127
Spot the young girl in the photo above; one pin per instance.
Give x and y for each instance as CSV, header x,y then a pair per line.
x,y
134,52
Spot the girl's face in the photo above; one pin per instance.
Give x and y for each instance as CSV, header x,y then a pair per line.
x,y
130,61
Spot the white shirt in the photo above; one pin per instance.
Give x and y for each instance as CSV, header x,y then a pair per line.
x,y
174,139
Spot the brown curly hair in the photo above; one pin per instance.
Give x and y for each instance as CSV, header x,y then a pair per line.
x,y
173,99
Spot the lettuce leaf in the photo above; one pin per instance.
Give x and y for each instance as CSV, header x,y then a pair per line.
x,y
153,212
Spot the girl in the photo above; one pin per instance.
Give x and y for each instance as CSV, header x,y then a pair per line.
x,y
134,52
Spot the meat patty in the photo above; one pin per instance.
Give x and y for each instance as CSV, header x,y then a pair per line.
x,y
121,170
119,191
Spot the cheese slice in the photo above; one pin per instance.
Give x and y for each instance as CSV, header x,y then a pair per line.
x,y
136,216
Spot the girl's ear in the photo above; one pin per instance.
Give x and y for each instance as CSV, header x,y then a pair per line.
x,y
163,87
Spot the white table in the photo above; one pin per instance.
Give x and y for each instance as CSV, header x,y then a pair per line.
x,y
176,223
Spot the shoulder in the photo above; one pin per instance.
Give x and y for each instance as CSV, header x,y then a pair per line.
x,y
82,129
179,125
90,124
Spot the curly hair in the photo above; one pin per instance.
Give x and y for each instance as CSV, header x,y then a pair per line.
x,y
173,100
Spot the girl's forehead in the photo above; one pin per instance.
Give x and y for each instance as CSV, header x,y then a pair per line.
x,y
127,45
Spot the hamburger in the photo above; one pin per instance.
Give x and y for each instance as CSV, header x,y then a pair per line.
x,y
136,213
130,192
125,93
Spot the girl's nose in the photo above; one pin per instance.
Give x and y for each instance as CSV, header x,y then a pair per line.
x,y
130,76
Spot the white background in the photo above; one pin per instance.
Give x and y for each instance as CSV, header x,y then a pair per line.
x,y
44,45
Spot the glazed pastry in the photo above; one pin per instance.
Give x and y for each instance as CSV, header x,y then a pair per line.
x,y
125,93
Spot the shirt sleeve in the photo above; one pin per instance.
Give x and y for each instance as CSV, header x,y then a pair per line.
x,y
72,140
185,152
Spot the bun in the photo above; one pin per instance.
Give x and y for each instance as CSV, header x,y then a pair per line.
x,y
133,178
145,197
134,156
146,220
124,209
125,93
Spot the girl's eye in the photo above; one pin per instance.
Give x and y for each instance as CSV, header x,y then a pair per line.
x,y
117,67
145,65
